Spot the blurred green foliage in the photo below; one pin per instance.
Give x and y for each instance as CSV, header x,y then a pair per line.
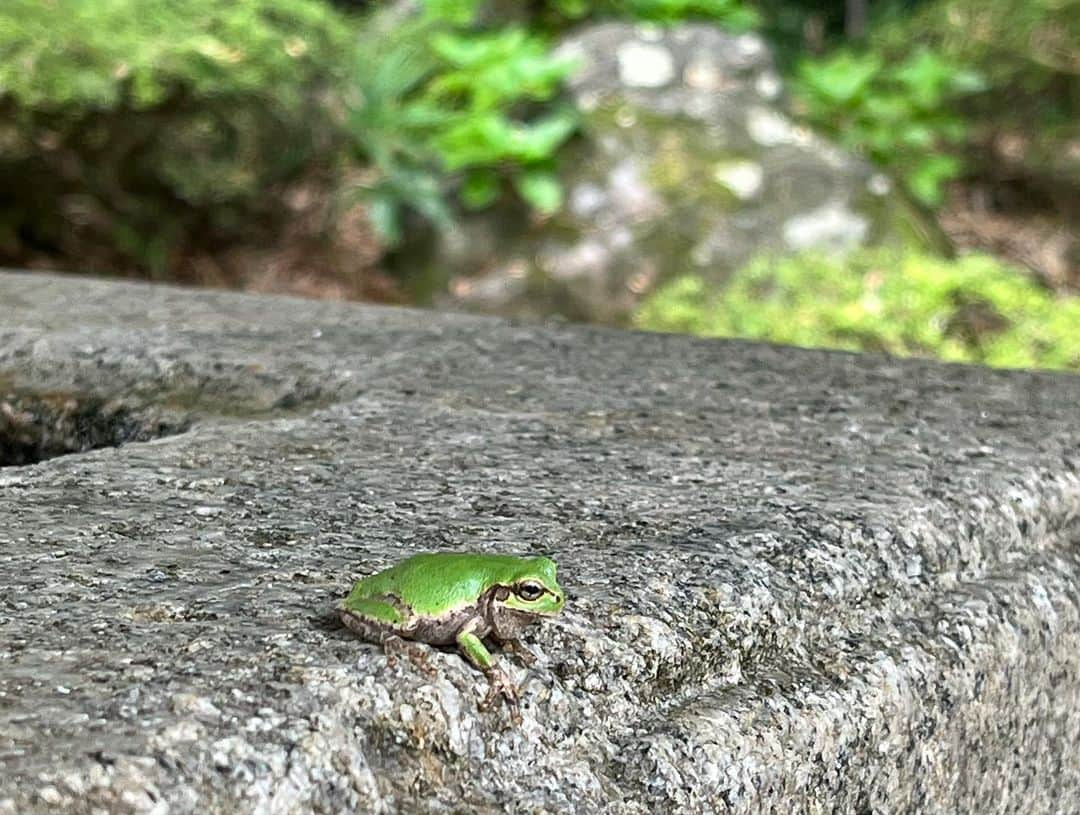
x,y
139,53
436,103
1013,43
973,309
735,15
901,114
935,84
1028,53
442,103
134,130
131,128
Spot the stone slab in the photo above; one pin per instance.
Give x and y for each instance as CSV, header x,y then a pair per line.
x,y
800,581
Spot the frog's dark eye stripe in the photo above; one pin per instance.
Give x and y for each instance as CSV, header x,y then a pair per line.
x,y
529,591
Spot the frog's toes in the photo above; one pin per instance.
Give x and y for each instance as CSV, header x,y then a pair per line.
x,y
499,684
419,656
519,649
395,646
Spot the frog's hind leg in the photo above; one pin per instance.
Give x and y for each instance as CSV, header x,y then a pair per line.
x,y
371,617
387,621
393,645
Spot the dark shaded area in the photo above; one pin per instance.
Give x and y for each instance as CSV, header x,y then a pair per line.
x,y
35,427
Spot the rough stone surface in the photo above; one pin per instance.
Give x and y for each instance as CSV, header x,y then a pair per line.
x,y
687,161
800,582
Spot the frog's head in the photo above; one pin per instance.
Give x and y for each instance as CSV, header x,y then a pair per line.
x,y
534,589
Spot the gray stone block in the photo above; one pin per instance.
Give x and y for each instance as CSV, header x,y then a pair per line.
x,y
799,581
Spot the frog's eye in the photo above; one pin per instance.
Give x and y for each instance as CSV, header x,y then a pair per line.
x,y
529,590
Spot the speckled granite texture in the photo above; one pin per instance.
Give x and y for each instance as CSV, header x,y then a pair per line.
x,y
800,582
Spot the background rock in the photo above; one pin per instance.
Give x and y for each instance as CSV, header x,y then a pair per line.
x,y
799,581
686,162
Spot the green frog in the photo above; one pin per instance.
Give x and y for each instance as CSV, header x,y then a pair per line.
x,y
443,598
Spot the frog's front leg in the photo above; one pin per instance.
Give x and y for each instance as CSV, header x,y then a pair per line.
x,y
499,683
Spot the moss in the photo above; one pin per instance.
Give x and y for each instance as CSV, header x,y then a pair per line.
x,y
971,309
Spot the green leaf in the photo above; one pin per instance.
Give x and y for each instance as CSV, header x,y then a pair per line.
x,y
842,78
540,140
931,174
571,9
457,12
732,14
471,50
915,134
480,189
541,189
475,140
384,216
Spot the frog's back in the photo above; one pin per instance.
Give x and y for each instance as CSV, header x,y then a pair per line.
x,y
435,583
